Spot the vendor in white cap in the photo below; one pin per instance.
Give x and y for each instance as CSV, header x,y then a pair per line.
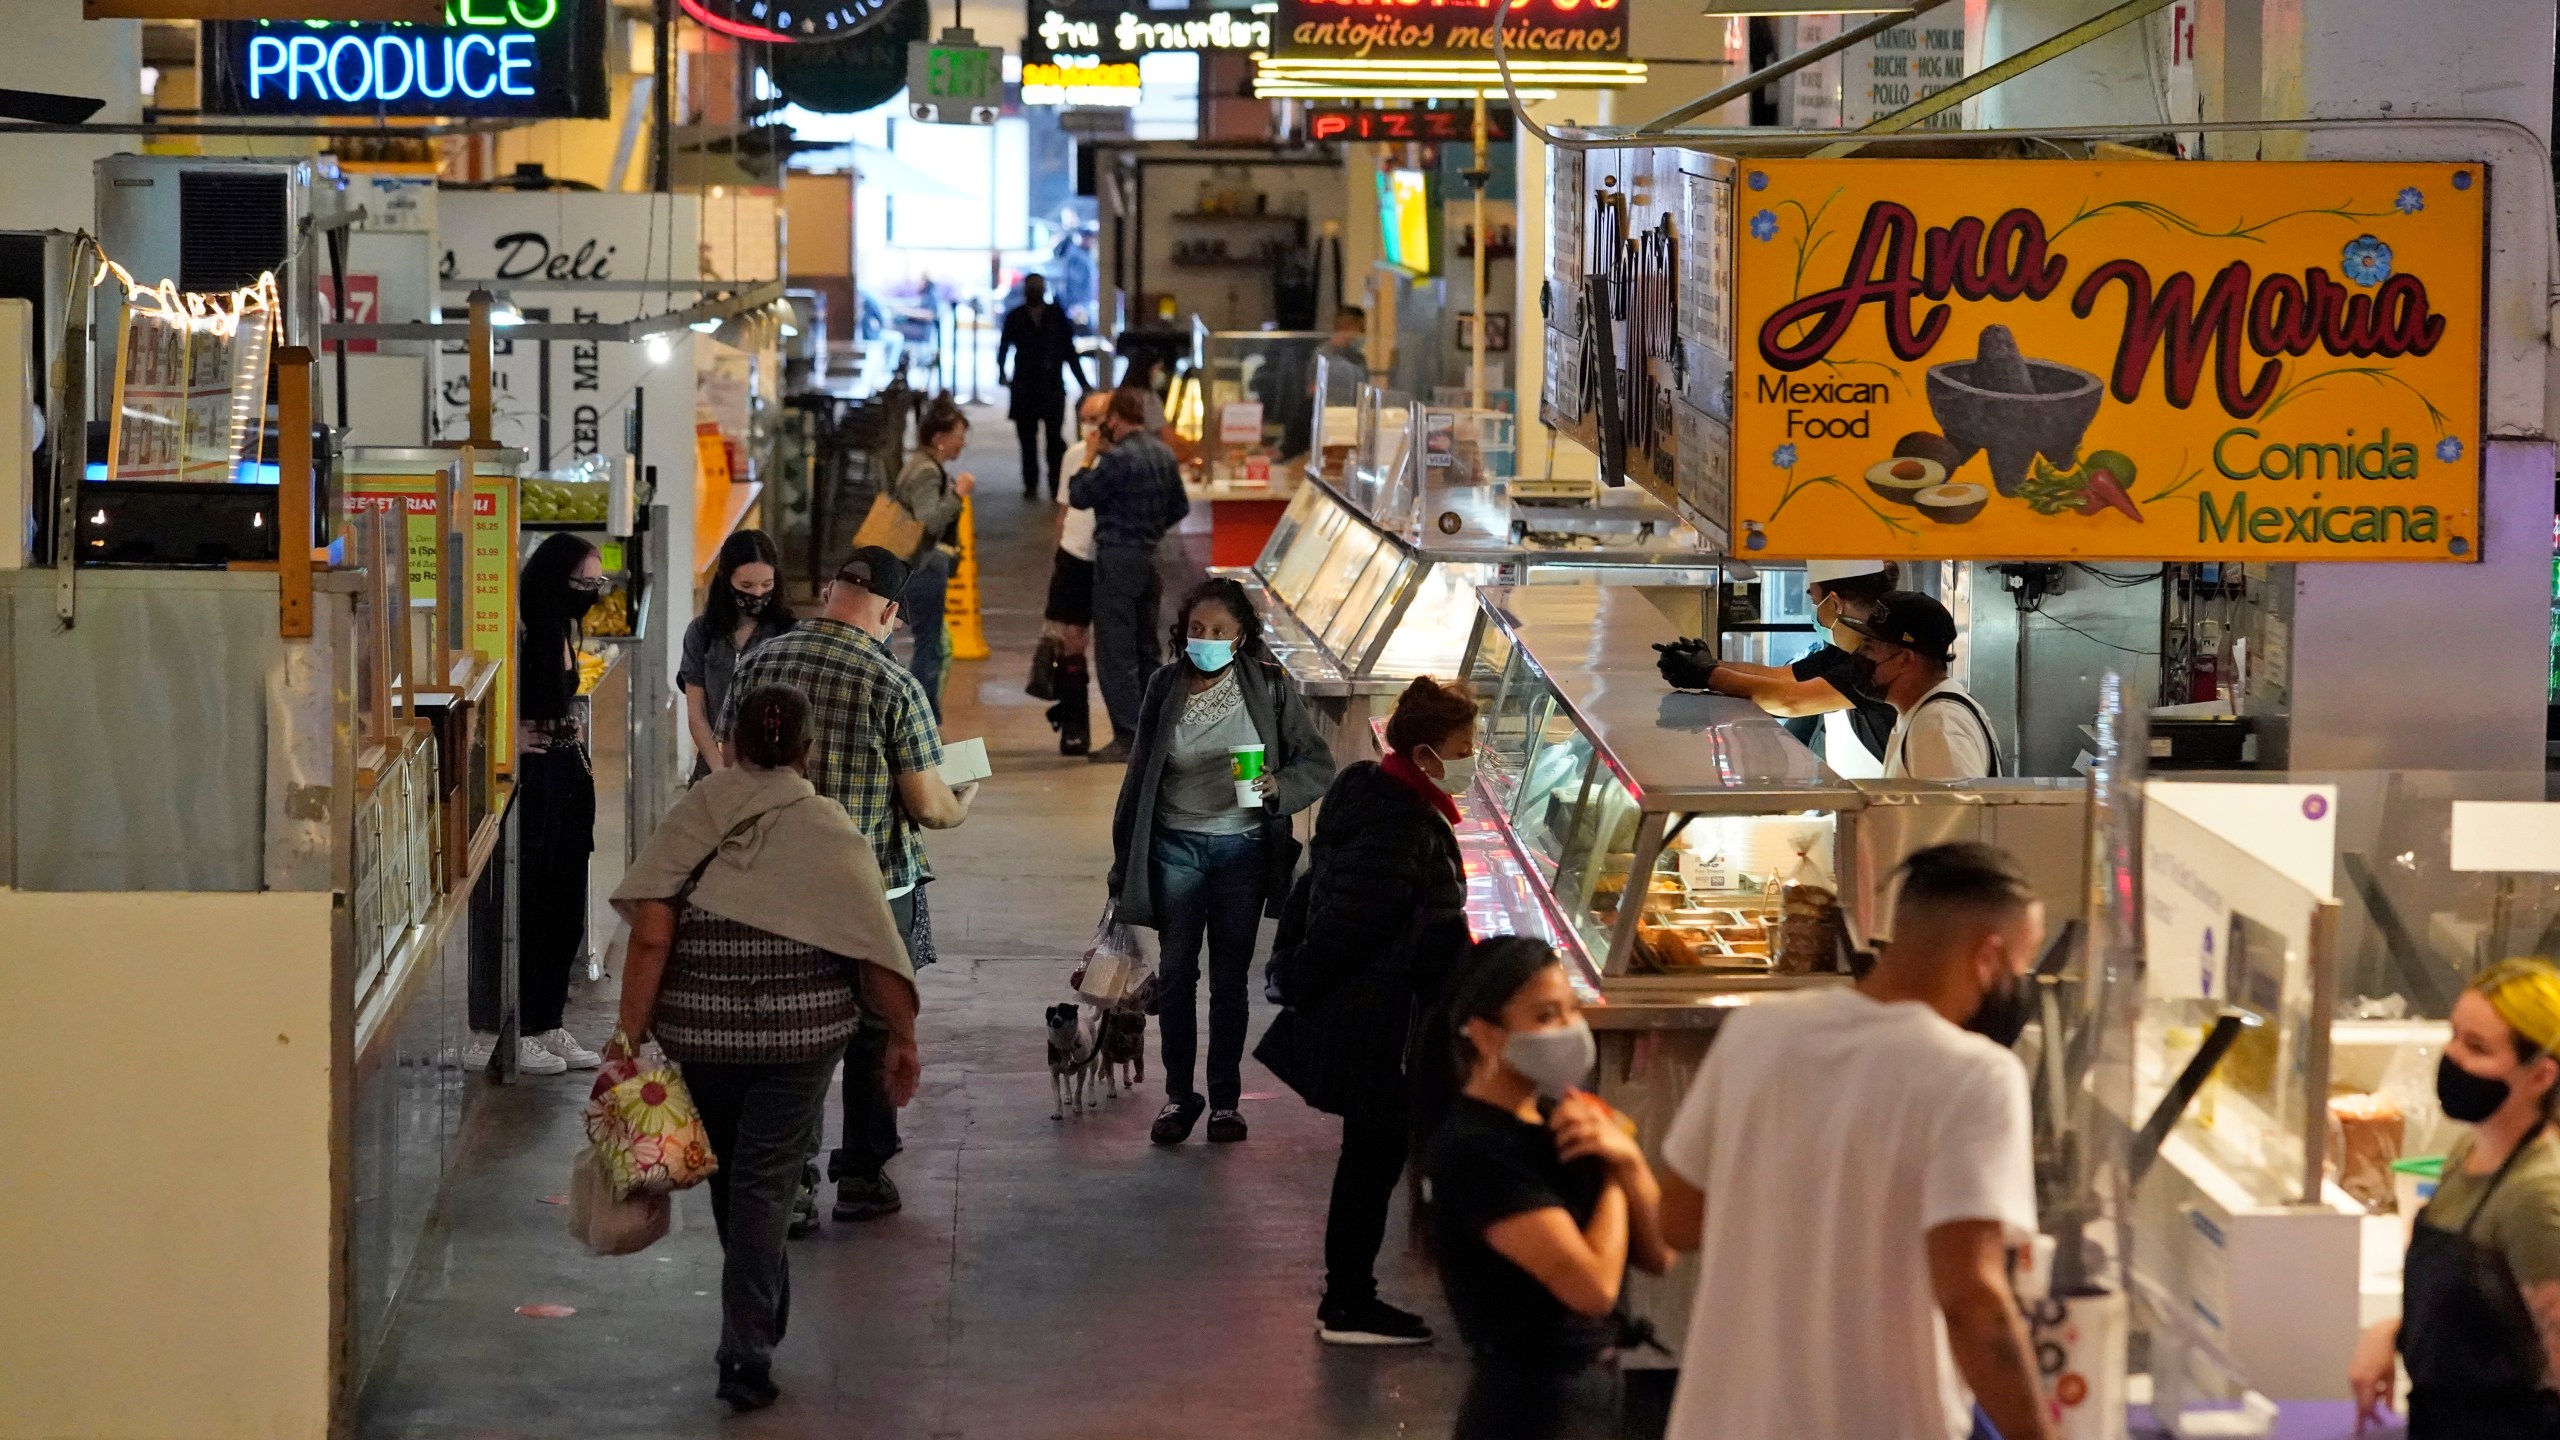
x,y
1822,688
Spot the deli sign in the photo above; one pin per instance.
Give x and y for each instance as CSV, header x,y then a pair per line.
x,y
1534,30
2134,361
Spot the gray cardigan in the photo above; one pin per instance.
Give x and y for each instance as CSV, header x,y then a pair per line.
x,y
924,487
1297,757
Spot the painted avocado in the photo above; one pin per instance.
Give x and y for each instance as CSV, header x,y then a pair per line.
x,y
1905,477
1952,504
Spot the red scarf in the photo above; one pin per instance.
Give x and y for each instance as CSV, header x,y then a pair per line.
x,y
1401,767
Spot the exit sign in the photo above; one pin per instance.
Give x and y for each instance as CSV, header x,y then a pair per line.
x,y
954,80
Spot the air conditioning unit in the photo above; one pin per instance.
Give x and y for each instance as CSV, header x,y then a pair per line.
x,y
209,224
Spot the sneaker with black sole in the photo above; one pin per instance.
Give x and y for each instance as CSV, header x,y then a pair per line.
x,y
804,1205
1174,1121
1369,1322
866,1197
748,1387
1226,1127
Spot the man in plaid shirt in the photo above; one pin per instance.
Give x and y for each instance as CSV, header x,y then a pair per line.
x,y
1135,493
878,755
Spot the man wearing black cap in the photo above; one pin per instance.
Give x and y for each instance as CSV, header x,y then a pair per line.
x,y
1906,645
878,753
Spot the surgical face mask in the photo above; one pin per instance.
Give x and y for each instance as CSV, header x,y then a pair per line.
x,y
2467,1097
750,605
1209,656
1555,1060
2002,1015
1456,772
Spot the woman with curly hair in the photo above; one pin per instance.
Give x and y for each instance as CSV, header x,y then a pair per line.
x,y
1198,855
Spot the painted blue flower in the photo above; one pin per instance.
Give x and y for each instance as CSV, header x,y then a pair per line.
x,y
2461,179
1764,226
2409,201
1758,180
1784,458
2366,260
2448,449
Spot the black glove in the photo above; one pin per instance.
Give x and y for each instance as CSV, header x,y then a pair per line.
x,y
1686,664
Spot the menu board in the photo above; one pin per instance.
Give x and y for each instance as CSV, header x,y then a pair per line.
x,y
1565,203
489,596
189,399
1706,293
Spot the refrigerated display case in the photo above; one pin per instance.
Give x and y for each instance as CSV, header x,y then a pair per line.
x,y
1257,423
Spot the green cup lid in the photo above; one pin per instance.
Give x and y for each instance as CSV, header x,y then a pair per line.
x,y
2430,1167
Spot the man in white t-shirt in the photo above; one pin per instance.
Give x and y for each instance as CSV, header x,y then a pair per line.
x,y
1854,1167
1907,643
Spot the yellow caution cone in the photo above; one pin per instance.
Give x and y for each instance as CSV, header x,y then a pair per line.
x,y
960,605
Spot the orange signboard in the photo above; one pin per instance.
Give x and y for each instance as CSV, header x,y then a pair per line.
x,y
2108,361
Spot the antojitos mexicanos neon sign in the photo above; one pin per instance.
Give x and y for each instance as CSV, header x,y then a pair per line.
x,y
2136,361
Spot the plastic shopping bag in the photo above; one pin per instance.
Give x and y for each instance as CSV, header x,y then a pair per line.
x,y
1114,965
607,1225
647,1133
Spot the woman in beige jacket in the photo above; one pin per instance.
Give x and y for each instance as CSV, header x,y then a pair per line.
x,y
760,929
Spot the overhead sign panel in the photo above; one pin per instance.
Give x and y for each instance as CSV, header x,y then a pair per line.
x,y
1389,47
2134,361
1115,32
518,59
1338,122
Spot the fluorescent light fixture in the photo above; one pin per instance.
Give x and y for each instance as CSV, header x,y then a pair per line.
x,y
1731,9
660,349
703,327
790,330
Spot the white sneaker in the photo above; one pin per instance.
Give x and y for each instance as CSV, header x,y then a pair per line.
x,y
476,1053
533,1059
561,1043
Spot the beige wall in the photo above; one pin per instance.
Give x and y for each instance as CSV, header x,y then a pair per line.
x,y
165,1200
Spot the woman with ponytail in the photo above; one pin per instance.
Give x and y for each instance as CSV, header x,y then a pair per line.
x,y
1533,1198
1365,940
760,933
2479,1322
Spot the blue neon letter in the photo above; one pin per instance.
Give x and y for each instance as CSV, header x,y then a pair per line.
x,y
462,77
441,45
266,57
307,55
338,52
515,53
384,48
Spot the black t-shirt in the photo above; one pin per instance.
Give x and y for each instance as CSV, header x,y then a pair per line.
x,y
1486,1165
1870,717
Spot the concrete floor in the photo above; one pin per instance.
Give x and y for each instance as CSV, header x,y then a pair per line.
x,y
1046,1279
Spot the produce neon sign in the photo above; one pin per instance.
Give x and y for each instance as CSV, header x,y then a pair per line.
x,y
363,69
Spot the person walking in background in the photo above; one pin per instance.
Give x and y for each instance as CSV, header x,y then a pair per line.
x,y
761,940
1366,941
744,609
1898,1103
878,755
1068,615
1135,494
932,494
1529,1195
1191,859
1036,343
555,804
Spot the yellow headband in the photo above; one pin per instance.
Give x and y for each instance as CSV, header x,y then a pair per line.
x,y
2526,994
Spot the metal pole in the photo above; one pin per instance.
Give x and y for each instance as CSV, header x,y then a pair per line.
x,y
1771,74
1475,181
662,98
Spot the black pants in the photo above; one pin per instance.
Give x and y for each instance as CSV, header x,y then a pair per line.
x,y
1027,428
870,1117
1506,1401
555,834
1126,593
1355,1224
762,1119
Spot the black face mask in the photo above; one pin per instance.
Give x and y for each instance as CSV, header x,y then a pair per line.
x,y
749,605
2467,1097
1862,669
2002,1015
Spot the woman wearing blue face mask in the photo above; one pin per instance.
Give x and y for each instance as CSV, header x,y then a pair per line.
x,y
1532,1197
1225,753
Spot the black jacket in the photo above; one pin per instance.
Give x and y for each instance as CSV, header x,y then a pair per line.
x,y
1365,943
1293,750
1042,347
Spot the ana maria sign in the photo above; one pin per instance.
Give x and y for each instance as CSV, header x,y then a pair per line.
x,y
511,58
2148,361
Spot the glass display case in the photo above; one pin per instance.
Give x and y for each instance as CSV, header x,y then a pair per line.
x,y
1258,403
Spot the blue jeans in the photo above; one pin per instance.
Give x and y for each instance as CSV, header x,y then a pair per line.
x,y
1207,887
921,602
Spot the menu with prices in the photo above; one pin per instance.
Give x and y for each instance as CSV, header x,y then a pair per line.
x,y
1565,203
187,399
